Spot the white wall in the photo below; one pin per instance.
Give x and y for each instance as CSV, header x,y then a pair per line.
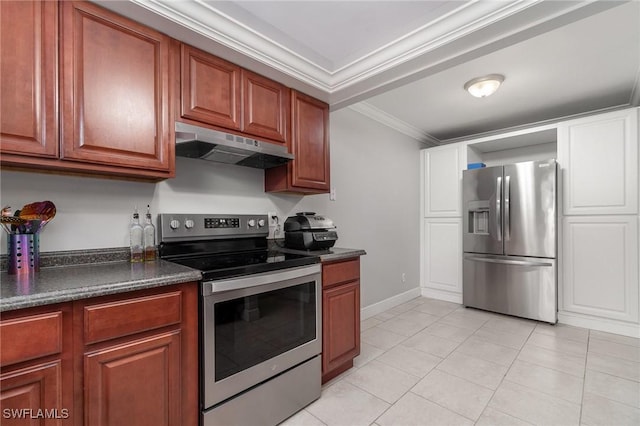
x,y
375,171
95,213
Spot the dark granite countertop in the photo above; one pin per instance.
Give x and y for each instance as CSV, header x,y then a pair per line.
x,y
65,283
330,255
63,280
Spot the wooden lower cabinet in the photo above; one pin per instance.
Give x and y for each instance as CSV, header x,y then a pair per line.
x,y
125,359
135,382
36,383
340,316
138,354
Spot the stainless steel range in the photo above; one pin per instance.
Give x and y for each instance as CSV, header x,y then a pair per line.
x,y
260,317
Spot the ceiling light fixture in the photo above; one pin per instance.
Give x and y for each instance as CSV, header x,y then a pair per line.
x,y
484,86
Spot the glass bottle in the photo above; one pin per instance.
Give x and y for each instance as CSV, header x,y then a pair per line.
x,y
149,232
135,238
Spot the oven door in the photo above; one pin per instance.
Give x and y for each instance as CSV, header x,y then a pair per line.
x,y
258,326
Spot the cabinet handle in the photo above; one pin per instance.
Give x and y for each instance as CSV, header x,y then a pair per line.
x,y
507,205
499,207
507,261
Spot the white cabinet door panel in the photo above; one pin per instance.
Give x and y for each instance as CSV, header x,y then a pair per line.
x,y
442,175
600,258
443,254
599,159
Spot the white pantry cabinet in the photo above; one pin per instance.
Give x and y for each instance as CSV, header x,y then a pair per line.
x,y
599,160
442,176
600,266
442,258
441,248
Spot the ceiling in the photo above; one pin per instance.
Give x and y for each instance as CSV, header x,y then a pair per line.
x,y
404,63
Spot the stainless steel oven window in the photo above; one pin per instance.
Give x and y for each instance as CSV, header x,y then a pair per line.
x,y
258,326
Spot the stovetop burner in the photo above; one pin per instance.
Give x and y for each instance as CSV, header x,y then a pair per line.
x,y
227,265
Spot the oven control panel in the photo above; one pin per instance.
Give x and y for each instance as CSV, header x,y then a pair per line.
x,y
223,222
185,227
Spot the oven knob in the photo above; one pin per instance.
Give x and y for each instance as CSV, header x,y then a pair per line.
x,y
261,223
188,223
174,224
251,223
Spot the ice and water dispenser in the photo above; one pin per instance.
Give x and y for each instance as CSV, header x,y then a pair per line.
x,y
478,212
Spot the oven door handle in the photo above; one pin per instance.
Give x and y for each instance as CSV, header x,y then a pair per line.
x,y
248,281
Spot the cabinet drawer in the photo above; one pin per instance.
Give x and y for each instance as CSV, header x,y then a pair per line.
x,y
125,317
30,337
340,272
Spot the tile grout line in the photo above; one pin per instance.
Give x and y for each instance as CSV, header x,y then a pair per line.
x,y
410,390
439,320
503,378
584,375
420,378
607,374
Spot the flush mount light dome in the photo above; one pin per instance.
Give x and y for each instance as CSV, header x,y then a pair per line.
x,y
484,86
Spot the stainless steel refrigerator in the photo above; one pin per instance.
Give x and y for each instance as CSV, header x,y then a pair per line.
x,y
509,239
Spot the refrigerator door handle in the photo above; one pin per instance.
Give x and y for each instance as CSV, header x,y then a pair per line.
x,y
498,208
507,202
507,261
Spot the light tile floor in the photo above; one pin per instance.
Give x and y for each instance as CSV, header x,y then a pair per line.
x,y
429,362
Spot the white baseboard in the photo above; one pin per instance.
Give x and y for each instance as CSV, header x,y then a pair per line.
x,y
442,295
392,302
600,324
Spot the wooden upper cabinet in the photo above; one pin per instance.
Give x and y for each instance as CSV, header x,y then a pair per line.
x,y
115,90
309,172
221,94
210,89
28,78
266,107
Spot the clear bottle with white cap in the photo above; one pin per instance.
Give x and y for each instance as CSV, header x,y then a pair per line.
x,y
149,237
136,238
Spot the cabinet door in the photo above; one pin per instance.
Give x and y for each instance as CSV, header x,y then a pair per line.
x,y
599,159
340,325
210,89
600,266
28,78
310,143
443,254
266,107
442,175
308,173
138,382
115,88
32,390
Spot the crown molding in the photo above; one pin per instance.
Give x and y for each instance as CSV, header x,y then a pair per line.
x,y
392,122
476,27
205,20
635,93
450,27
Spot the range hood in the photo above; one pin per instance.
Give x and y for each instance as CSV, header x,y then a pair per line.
x,y
212,145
